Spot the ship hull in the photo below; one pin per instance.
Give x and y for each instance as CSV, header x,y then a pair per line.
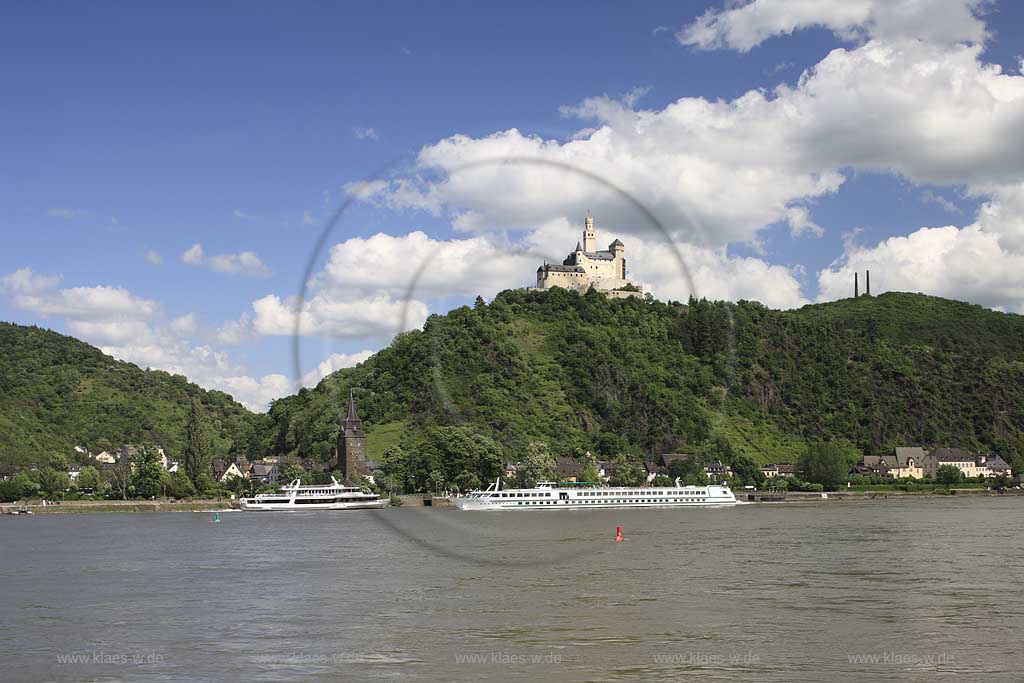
x,y
596,498
282,507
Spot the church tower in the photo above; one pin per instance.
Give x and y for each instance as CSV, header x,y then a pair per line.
x,y
589,238
351,445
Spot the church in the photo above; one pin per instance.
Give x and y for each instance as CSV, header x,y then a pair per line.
x,y
587,266
351,448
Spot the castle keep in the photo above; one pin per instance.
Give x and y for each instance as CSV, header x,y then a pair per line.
x,y
586,267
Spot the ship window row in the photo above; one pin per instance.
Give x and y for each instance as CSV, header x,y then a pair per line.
x,y
603,494
614,500
525,495
640,493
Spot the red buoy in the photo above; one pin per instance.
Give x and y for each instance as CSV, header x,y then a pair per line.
x,y
618,534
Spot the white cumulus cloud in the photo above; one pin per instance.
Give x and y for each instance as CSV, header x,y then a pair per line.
x,y
243,263
745,25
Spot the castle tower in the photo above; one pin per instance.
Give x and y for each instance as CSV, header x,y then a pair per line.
x,y
618,249
589,237
351,445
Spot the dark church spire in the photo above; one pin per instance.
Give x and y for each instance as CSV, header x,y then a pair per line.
x,y
351,417
351,448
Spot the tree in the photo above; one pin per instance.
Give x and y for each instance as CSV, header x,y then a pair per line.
x,y
120,477
9,491
825,463
590,473
467,481
204,483
627,472
290,472
746,471
537,465
387,482
89,478
196,453
181,486
479,303
397,465
947,475
53,482
146,473
437,480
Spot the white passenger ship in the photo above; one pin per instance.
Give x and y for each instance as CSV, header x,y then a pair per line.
x,y
333,496
549,496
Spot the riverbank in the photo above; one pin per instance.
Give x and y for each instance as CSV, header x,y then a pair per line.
x,y
420,500
209,505
866,496
81,506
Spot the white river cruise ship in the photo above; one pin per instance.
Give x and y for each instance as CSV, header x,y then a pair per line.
x,y
333,496
549,496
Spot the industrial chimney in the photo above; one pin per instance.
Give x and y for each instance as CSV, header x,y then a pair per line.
x,y
867,283
856,285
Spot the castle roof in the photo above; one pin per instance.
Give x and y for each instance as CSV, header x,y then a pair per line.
x,y
579,247
616,242
547,267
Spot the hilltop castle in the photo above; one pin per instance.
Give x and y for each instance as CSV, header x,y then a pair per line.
x,y
588,267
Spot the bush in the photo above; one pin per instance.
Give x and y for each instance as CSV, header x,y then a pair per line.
x,y
947,475
10,491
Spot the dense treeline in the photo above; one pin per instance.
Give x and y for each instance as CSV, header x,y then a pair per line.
x,y
57,392
618,378
734,381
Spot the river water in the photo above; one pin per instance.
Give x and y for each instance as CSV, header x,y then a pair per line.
x,y
900,590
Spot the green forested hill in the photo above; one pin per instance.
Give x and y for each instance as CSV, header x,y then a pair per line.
x,y
614,376
579,373
57,392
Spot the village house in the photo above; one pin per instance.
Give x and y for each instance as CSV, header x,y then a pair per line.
x,y
913,462
964,460
105,458
994,465
716,470
223,471
568,469
787,470
264,472
907,462
770,471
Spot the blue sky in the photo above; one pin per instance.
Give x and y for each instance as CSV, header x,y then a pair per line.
x,y
784,148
